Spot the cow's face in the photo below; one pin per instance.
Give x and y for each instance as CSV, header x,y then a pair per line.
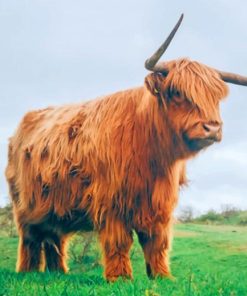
x,y
190,95
196,128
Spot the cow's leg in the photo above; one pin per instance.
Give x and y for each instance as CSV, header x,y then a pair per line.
x,y
116,241
156,249
30,257
56,253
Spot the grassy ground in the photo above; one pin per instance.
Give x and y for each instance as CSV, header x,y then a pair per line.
x,y
206,260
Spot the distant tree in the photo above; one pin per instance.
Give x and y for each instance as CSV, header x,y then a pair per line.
x,y
227,210
243,221
83,249
210,217
6,220
186,214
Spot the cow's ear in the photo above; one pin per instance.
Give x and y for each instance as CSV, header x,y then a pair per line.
x,y
155,83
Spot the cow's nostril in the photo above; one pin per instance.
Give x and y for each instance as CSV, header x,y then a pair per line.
x,y
212,128
206,127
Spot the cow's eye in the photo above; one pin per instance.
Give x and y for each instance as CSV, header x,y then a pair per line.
x,y
177,97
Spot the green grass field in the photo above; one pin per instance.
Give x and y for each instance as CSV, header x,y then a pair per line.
x,y
205,260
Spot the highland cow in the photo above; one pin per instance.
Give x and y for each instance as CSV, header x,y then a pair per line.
x,y
113,165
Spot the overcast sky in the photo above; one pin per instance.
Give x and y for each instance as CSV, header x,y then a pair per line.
x,y
58,51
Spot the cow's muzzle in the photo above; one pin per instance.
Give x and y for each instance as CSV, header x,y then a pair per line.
x,y
203,135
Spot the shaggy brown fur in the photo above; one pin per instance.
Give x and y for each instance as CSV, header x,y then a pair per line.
x,y
114,164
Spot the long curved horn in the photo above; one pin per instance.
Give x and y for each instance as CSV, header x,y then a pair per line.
x,y
152,61
233,78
